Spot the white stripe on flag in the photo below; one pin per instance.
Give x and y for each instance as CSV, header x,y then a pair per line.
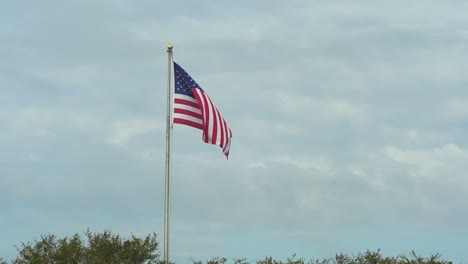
x,y
187,107
185,97
189,118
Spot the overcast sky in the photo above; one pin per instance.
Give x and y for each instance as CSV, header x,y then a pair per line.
x,y
349,121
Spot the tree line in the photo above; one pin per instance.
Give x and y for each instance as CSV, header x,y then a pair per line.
x,y
108,248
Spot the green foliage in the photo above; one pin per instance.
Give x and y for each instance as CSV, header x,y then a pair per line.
x,y
102,247
211,261
375,257
241,261
108,248
369,257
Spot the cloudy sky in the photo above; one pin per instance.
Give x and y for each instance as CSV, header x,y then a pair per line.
x,y
349,123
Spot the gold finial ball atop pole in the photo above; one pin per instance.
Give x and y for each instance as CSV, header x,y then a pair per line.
x,y
169,47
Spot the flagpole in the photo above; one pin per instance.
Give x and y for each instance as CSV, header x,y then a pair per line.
x,y
168,149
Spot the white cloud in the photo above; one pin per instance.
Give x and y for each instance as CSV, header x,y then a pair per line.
x,y
68,78
456,109
322,109
255,165
34,157
43,121
445,164
447,153
122,132
318,163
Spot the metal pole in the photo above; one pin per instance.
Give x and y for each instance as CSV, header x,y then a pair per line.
x,y
168,149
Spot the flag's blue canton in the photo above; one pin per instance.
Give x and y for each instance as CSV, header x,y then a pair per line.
x,y
183,82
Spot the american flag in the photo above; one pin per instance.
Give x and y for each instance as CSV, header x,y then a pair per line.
x,y
193,107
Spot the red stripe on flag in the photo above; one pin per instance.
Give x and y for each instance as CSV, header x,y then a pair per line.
x,y
223,130
188,123
214,138
228,135
202,104
185,102
208,119
187,112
